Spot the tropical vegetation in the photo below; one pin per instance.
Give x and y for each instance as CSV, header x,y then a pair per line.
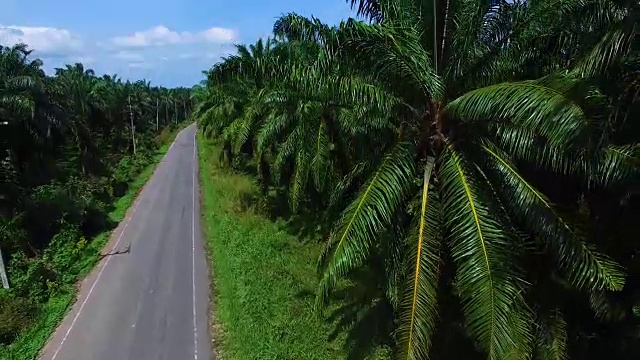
x,y
472,168
70,146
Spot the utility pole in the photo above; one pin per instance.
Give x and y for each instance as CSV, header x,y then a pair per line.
x,y
3,273
157,109
133,134
3,270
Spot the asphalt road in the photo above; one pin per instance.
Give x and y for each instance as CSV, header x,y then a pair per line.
x,y
148,297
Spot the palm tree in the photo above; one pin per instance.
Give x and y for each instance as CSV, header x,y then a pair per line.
x,y
471,121
272,121
82,96
69,128
30,120
446,123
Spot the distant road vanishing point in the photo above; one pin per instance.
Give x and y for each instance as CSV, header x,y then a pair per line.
x,y
147,299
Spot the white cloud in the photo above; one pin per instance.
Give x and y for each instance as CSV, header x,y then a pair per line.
x,y
219,35
159,54
139,65
128,55
44,40
161,35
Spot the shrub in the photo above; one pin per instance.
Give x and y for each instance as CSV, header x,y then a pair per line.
x,y
15,314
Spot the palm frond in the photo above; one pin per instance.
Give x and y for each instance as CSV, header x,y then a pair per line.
x,y
322,161
396,57
616,163
286,150
271,129
610,49
419,310
551,337
300,178
542,106
585,267
488,281
351,241
535,150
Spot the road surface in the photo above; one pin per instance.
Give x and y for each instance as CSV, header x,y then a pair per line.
x,y
148,298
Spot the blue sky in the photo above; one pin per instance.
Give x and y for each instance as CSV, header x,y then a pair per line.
x,y
168,42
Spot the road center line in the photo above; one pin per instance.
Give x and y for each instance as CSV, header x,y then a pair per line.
x,y
193,250
106,262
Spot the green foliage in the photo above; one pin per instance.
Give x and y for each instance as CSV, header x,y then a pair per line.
x,y
15,314
72,144
125,171
469,155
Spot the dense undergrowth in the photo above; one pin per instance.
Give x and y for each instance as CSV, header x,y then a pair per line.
x,y
70,169
31,329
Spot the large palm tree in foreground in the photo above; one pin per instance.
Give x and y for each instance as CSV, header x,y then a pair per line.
x,y
471,121
479,98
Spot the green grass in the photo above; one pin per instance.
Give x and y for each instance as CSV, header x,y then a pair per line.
x,y
29,343
264,278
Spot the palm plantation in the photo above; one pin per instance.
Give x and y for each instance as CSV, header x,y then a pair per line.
x,y
70,146
464,153
471,170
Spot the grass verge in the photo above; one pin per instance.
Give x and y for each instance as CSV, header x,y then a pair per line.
x,y
29,343
264,279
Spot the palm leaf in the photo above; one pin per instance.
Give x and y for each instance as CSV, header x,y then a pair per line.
x,y
286,150
372,210
337,88
321,162
300,178
610,49
348,181
271,129
238,132
616,163
395,56
551,337
488,282
534,149
419,314
585,267
543,106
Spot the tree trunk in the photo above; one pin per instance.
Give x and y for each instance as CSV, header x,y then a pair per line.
x,y
184,106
